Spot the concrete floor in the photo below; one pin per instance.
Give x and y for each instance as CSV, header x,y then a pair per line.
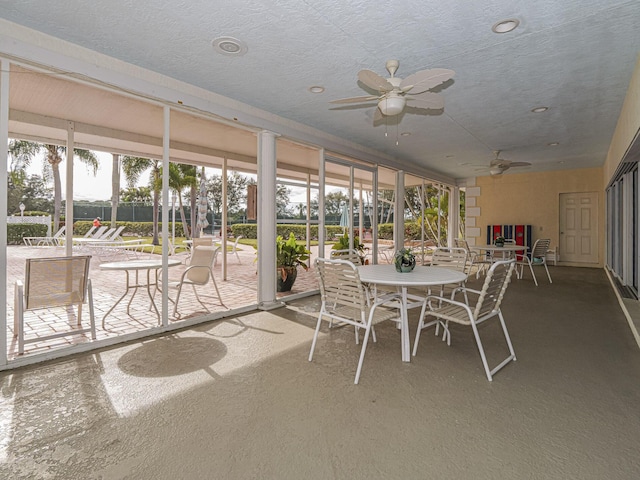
x,y
237,399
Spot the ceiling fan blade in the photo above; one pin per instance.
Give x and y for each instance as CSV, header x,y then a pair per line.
x,y
425,80
367,98
519,164
427,100
377,116
375,81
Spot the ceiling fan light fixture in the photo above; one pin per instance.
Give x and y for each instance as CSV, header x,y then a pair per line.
x,y
495,171
506,26
391,105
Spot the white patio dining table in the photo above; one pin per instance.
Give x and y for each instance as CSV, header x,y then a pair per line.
x,y
419,277
506,250
136,266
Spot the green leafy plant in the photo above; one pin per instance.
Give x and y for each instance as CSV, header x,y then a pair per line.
x,y
343,244
290,254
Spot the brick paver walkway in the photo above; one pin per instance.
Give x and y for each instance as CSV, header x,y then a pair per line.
x,y
239,290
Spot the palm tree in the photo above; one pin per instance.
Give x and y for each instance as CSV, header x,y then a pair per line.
x,y
181,177
133,168
54,156
23,152
115,188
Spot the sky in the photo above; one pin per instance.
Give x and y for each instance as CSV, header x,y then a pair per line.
x,y
89,188
85,185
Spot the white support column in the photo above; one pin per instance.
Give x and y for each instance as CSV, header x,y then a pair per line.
x,y
398,217
223,226
360,215
454,215
321,184
439,216
166,137
4,140
374,217
308,216
350,227
267,168
68,211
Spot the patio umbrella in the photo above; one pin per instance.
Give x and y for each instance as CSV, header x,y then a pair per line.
x,y
344,216
202,204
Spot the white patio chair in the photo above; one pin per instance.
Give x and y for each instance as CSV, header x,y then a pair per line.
x,y
486,308
49,283
454,259
345,300
480,261
347,254
538,257
198,242
234,247
90,231
198,272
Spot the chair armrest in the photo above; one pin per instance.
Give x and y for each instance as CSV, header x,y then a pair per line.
x,y
442,300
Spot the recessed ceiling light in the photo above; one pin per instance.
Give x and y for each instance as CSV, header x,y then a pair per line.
x,y
539,109
506,26
229,46
553,144
316,89
405,134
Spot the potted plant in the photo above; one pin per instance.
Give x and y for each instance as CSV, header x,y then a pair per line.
x,y
289,256
343,244
499,241
404,260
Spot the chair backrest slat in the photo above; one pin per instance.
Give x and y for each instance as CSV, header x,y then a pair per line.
x,y
53,282
494,287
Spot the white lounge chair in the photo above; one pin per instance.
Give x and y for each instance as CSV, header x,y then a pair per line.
x,y
53,241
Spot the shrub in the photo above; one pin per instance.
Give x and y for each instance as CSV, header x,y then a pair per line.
x,y
17,231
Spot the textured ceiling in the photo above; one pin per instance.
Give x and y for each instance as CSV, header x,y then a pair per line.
x,y
573,56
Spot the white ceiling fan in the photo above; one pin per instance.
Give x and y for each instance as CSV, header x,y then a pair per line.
x,y
499,165
394,93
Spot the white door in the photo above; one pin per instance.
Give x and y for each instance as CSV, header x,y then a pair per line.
x,y
579,227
